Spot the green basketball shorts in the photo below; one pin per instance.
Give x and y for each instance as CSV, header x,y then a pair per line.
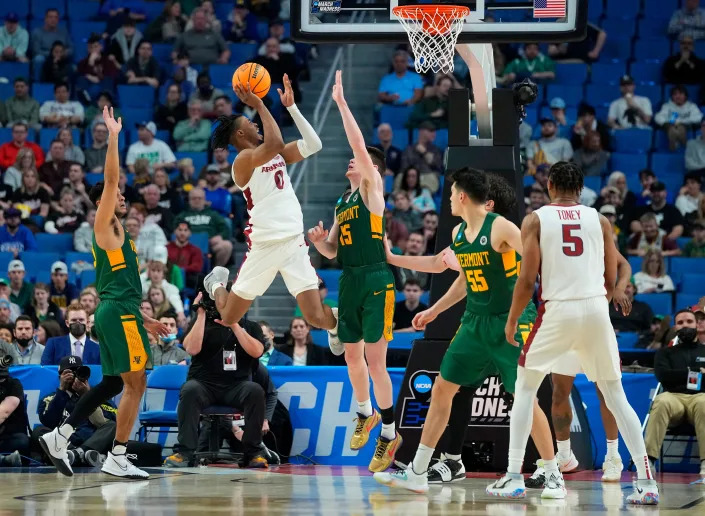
x,y
123,341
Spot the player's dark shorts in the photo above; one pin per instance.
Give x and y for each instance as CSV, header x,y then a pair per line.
x,y
123,341
480,349
366,303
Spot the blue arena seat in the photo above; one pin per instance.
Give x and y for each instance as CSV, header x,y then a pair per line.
x,y
19,8
595,10
660,303
5,259
42,91
221,74
687,300
632,141
661,143
35,261
573,95
396,116
635,262
649,27
82,10
7,90
659,9
652,48
48,134
200,240
86,278
646,71
75,256
680,265
627,339
12,69
617,46
681,241
597,95
593,182
93,178
628,163
662,163
162,52
136,95
133,115
623,8
651,91
200,159
167,378
605,73
56,243
241,53
693,282
39,7
673,183
571,73
330,277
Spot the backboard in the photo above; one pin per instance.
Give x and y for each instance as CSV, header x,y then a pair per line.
x,y
372,21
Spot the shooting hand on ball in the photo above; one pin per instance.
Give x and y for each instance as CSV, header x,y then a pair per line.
x,y
244,93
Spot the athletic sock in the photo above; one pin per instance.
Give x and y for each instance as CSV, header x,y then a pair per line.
x,y
454,457
422,459
66,430
516,459
119,448
613,449
364,408
388,428
563,448
551,466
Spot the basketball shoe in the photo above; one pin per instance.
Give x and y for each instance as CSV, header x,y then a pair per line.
x,y
336,347
567,464
384,454
645,493
612,469
404,479
511,485
538,479
55,446
363,428
218,276
120,466
554,487
446,470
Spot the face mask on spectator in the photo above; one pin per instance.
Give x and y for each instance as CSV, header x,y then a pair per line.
x,y
169,338
77,329
687,335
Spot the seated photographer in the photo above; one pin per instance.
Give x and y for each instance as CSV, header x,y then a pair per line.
x,y
93,439
167,349
680,370
224,359
13,417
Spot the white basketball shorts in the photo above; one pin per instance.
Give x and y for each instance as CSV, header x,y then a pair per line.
x,y
581,326
263,261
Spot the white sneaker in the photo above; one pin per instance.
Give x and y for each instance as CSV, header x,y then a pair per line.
x,y
538,479
612,468
55,446
511,485
217,275
119,466
336,347
645,493
554,488
405,479
446,470
567,464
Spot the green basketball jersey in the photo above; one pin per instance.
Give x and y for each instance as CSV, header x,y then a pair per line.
x,y
117,275
490,275
360,233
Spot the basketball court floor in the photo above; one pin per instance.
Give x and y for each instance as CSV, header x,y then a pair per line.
x,y
312,490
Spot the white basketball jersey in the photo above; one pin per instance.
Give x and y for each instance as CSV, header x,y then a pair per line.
x,y
572,253
275,212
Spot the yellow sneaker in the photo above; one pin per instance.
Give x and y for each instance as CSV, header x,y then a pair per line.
x,y
363,428
384,453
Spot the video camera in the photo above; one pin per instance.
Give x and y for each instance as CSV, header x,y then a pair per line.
x,y
208,304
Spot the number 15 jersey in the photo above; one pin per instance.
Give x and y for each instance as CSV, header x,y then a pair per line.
x,y
572,253
274,210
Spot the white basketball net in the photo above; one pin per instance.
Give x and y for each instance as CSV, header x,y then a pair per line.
x,y
433,35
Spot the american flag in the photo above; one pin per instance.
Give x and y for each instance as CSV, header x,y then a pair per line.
x,y
549,8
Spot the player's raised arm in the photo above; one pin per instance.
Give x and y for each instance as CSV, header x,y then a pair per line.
x,y
106,207
309,143
325,242
530,263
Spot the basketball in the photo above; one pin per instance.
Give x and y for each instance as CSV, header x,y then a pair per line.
x,y
256,76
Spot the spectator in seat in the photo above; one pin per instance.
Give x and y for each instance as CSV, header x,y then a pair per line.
x,y
587,50
415,246
156,213
169,25
590,157
15,310
54,171
402,87
14,236
66,219
206,93
537,198
651,237
186,179
425,157
563,124
21,107
96,72
639,318
392,155
695,248
146,235
533,65
300,347
420,197
395,230
24,349
46,330
21,291
668,216
404,213
83,236
61,291
276,30
404,311
221,162
184,254
34,200
700,323
588,122
6,334
272,357
124,43
14,40
9,150
433,108
216,196
88,301
156,151
169,350
684,67
43,38
58,66
677,117
241,25
681,399
203,45
695,152
172,111
61,111
13,419
688,21
92,440
629,110
169,198
279,64
207,220
143,68
222,106
155,276
72,152
628,198
430,229
41,308
94,112
76,343
550,148
193,134
212,22
96,153
691,195
653,278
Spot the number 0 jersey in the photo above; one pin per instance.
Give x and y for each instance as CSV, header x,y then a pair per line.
x,y
360,233
490,276
572,253
117,276
274,210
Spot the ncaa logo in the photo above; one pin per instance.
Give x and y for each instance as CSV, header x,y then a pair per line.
x,y
422,384
483,240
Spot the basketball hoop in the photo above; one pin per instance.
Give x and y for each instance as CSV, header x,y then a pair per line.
x,y
433,31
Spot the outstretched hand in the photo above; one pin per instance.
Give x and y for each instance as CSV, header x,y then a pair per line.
x,y
245,95
114,126
155,327
317,233
287,96
338,95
